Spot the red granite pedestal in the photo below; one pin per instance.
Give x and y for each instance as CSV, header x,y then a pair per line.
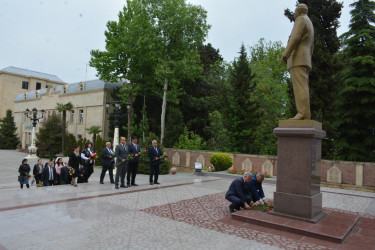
x,y
298,193
334,227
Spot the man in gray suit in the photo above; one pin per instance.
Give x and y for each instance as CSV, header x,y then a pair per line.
x,y
121,153
298,55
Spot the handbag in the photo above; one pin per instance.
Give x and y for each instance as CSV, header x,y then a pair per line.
x,y
20,178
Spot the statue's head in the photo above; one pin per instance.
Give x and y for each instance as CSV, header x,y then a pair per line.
x,y
300,9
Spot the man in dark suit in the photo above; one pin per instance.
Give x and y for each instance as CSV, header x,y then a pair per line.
x,y
49,176
154,153
239,193
108,160
256,189
134,152
121,153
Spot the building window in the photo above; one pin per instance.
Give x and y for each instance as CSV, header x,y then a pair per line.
x,y
64,90
79,137
38,85
36,94
81,116
72,116
46,86
81,87
25,85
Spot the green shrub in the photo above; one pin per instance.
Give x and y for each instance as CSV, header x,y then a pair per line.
x,y
190,140
221,161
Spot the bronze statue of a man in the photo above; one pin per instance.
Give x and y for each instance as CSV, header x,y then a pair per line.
x,y
298,55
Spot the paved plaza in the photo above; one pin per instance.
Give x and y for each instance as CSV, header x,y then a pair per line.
x,y
185,212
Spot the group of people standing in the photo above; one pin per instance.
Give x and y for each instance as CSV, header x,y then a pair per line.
x,y
56,172
48,174
81,166
246,191
127,159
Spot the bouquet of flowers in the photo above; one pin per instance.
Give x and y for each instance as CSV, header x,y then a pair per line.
x,y
28,177
131,156
164,156
71,171
265,208
91,157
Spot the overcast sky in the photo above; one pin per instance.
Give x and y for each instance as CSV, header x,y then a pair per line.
x,y
56,36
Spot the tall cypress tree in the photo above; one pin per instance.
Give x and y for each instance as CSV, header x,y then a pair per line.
x,y
356,100
8,132
242,109
324,15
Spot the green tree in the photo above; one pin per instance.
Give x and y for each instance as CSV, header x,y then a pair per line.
x,y
174,127
190,140
8,132
270,93
242,115
219,138
49,138
63,108
70,143
356,99
94,130
324,15
155,42
201,94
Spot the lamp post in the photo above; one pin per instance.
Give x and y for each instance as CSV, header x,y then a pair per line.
x,y
117,119
33,116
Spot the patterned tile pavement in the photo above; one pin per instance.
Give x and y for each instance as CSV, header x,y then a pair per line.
x,y
211,212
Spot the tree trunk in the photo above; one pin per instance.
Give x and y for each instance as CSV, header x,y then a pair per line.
x,y
63,129
143,117
163,111
130,116
93,141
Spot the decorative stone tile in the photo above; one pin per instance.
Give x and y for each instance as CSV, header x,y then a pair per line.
x,y
200,159
176,159
334,175
247,165
267,167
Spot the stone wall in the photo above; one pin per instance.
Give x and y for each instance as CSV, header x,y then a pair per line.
x,y
339,172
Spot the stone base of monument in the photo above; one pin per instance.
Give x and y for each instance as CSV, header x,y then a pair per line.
x,y
298,193
334,227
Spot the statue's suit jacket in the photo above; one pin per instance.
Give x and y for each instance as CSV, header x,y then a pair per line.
x,y
301,43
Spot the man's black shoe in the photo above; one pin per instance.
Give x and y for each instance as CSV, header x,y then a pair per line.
x,y
116,187
231,210
101,182
151,183
134,184
128,185
156,183
112,182
123,186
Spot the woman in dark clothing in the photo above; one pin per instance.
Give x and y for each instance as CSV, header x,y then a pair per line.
x,y
75,162
88,161
37,171
24,171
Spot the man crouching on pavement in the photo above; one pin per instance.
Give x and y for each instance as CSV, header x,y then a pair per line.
x,y
239,193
